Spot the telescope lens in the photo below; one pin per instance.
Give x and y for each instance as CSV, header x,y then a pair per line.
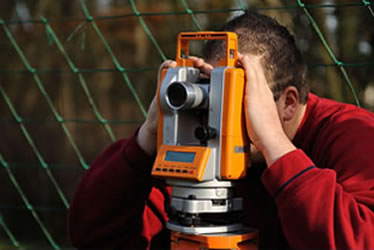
x,y
184,95
177,94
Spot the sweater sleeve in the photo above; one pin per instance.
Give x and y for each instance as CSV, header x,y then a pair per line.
x,y
117,203
330,207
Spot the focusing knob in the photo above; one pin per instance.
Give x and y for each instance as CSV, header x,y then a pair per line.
x,y
204,133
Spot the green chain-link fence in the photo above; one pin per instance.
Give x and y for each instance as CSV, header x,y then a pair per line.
x,y
76,75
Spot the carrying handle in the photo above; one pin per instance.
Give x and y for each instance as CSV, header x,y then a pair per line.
x,y
184,39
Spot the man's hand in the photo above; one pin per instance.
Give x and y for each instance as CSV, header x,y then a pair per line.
x,y
147,135
262,119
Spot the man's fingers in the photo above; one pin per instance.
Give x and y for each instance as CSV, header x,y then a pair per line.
x,y
253,70
165,65
204,67
250,62
168,64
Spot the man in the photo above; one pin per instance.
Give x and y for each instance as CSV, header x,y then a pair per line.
x,y
316,190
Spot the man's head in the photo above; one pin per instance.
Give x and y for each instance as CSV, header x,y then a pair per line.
x,y
264,36
283,66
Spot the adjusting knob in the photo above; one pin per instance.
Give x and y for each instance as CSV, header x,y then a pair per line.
x,y
204,133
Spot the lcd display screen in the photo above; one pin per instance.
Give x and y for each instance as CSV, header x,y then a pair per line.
x,y
180,156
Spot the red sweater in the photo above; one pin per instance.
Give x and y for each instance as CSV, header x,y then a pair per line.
x,y
320,196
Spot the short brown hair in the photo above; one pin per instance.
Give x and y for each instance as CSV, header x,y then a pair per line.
x,y
262,35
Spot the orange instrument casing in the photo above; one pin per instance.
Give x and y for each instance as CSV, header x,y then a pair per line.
x,y
233,138
203,148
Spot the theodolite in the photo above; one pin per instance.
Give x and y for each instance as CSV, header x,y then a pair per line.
x,y
203,148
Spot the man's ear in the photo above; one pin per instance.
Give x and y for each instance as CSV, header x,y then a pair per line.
x,y
290,102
